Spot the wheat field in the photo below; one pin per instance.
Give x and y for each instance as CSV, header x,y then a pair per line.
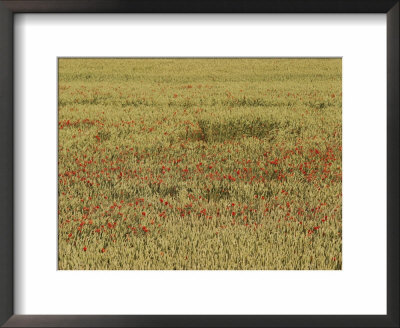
x,y
200,164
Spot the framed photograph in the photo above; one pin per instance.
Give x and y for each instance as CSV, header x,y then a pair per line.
x,y
199,164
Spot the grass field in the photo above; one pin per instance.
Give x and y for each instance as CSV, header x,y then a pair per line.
x,y
200,164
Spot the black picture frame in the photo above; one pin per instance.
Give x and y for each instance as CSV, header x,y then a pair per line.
x,y
7,10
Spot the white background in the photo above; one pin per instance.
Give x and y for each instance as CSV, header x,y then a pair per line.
x,y
360,288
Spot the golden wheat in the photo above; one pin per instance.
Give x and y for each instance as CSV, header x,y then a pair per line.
x,y
200,164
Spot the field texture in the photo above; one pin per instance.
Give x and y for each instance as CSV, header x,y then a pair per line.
x,y
200,164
